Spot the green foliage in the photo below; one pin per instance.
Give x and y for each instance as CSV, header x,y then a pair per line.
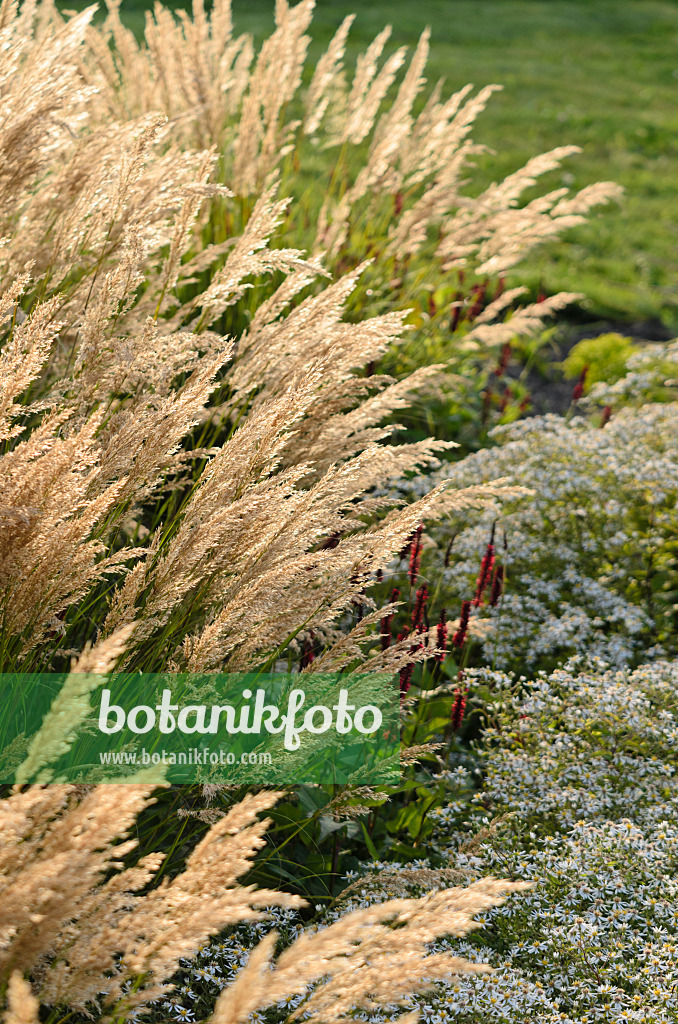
x,y
604,358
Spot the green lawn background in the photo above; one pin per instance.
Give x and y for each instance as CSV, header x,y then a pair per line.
x,y
600,74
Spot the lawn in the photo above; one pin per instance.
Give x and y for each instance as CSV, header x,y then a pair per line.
x,y
601,74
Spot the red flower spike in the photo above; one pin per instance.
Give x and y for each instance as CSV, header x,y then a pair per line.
x,y
497,586
420,600
406,677
479,292
456,313
458,709
579,386
504,360
407,670
405,551
605,419
441,637
460,635
307,655
415,555
485,573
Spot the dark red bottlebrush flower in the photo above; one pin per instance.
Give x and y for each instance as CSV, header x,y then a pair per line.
x,y
385,630
441,636
525,404
398,203
448,552
458,708
380,575
431,304
499,290
405,551
386,622
420,599
579,386
407,670
605,418
541,297
406,677
497,586
415,555
504,360
485,572
462,629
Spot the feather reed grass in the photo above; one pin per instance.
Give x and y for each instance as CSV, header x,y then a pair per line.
x,y
192,438
94,937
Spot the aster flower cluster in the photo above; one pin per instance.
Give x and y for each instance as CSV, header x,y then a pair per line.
x,y
571,788
587,746
579,769
586,555
596,940
577,797
200,980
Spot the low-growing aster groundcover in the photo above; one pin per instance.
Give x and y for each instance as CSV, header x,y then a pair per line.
x,y
578,796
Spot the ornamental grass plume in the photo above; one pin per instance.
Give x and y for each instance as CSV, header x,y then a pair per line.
x,y
92,936
220,96
371,958
22,1006
103,407
185,415
72,916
